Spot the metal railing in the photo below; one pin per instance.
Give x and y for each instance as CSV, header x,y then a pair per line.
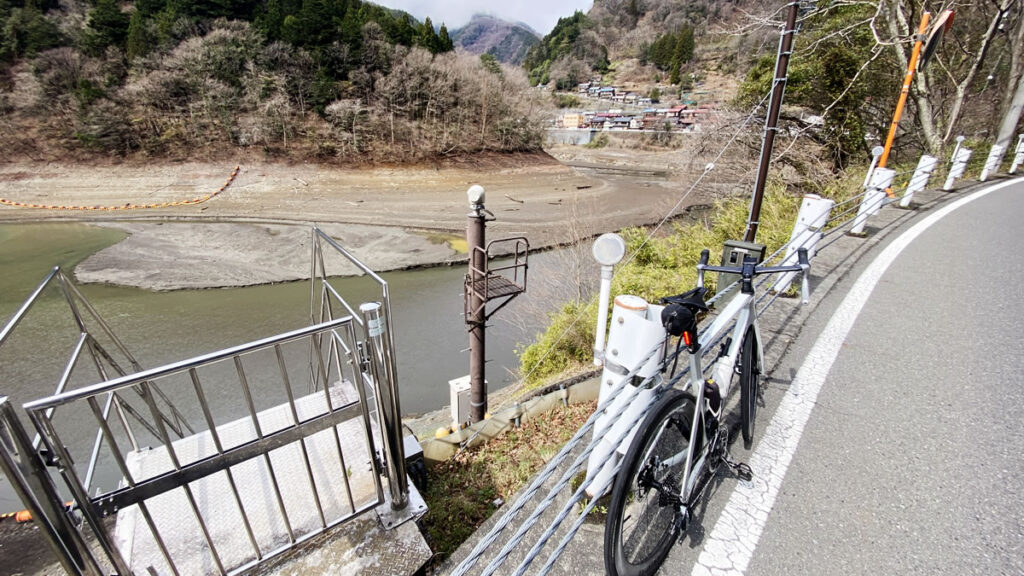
x,y
227,469
489,283
379,355
272,468
104,362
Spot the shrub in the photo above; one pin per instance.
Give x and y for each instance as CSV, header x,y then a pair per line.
x,y
106,127
654,268
599,141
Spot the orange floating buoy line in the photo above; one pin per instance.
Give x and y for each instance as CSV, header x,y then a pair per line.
x,y
23,516
128,205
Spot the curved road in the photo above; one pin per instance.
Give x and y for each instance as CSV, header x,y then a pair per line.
x,y
910,400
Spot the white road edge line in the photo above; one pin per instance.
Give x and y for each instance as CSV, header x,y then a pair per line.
x,y
730,546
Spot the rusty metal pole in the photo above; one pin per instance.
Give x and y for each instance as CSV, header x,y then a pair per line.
x,y
772,121
477,313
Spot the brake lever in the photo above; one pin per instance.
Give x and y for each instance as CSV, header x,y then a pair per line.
x,y
704,254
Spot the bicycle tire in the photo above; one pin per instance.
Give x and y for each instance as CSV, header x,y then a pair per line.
x,y
750,383
641,528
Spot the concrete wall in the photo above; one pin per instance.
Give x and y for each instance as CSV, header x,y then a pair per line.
x,y
569,136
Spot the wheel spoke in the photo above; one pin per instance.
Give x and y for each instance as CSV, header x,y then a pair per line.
x,y
646,499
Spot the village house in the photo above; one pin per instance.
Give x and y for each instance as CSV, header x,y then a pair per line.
x,y
655,122
675,111
620,122
606,93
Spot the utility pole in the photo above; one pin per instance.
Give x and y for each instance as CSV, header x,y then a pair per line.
x,y
772,121
477,309
485,285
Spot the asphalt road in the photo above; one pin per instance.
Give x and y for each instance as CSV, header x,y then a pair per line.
x,y
910,459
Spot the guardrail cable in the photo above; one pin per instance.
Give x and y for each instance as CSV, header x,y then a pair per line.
x,y
547,472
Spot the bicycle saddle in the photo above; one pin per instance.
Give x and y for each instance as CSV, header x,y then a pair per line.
x,y
693,300
680,313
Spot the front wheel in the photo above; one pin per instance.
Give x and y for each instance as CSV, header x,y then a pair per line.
x,y
645,505
750,381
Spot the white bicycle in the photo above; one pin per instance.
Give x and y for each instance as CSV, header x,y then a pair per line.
x,y
678,448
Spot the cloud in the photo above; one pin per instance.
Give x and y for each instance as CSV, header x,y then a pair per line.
x,y
541,15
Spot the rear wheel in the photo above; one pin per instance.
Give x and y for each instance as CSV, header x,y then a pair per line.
x,y
750,382
643,514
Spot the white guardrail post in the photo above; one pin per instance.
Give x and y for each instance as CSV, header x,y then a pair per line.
x,y
959,161
636,330
814,212
995,156
874,197
1018,156
922,174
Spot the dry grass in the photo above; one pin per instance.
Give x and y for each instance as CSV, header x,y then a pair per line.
x,y
462,493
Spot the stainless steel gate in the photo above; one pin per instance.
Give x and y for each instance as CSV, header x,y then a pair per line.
x,y
287,447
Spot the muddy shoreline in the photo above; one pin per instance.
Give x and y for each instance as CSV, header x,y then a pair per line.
x,y
257,230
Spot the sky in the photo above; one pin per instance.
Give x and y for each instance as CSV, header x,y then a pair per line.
x,y
541,15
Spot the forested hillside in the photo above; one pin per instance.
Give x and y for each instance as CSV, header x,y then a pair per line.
x,y
848,61
338,79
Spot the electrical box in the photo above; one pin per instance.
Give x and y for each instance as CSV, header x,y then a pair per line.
x,y
733,253
460,399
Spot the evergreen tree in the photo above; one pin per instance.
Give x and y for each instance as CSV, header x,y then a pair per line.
x,y
490,63
149,8
291,30
445,43
683,50
271,20
351,29
25,32
139,41
107,26
661,51
427,37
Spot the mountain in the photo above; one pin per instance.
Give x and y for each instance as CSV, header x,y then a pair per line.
x,y
506,41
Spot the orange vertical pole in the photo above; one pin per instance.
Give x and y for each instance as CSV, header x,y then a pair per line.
x,y
911,66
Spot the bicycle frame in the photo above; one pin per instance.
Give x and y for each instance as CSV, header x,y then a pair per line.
x,y
741,309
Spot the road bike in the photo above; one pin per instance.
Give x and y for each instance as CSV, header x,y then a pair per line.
x,y
684,439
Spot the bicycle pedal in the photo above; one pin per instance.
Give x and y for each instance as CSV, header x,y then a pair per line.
x,y
742,470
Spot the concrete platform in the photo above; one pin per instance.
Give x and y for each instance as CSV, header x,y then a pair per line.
x,y
357,545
